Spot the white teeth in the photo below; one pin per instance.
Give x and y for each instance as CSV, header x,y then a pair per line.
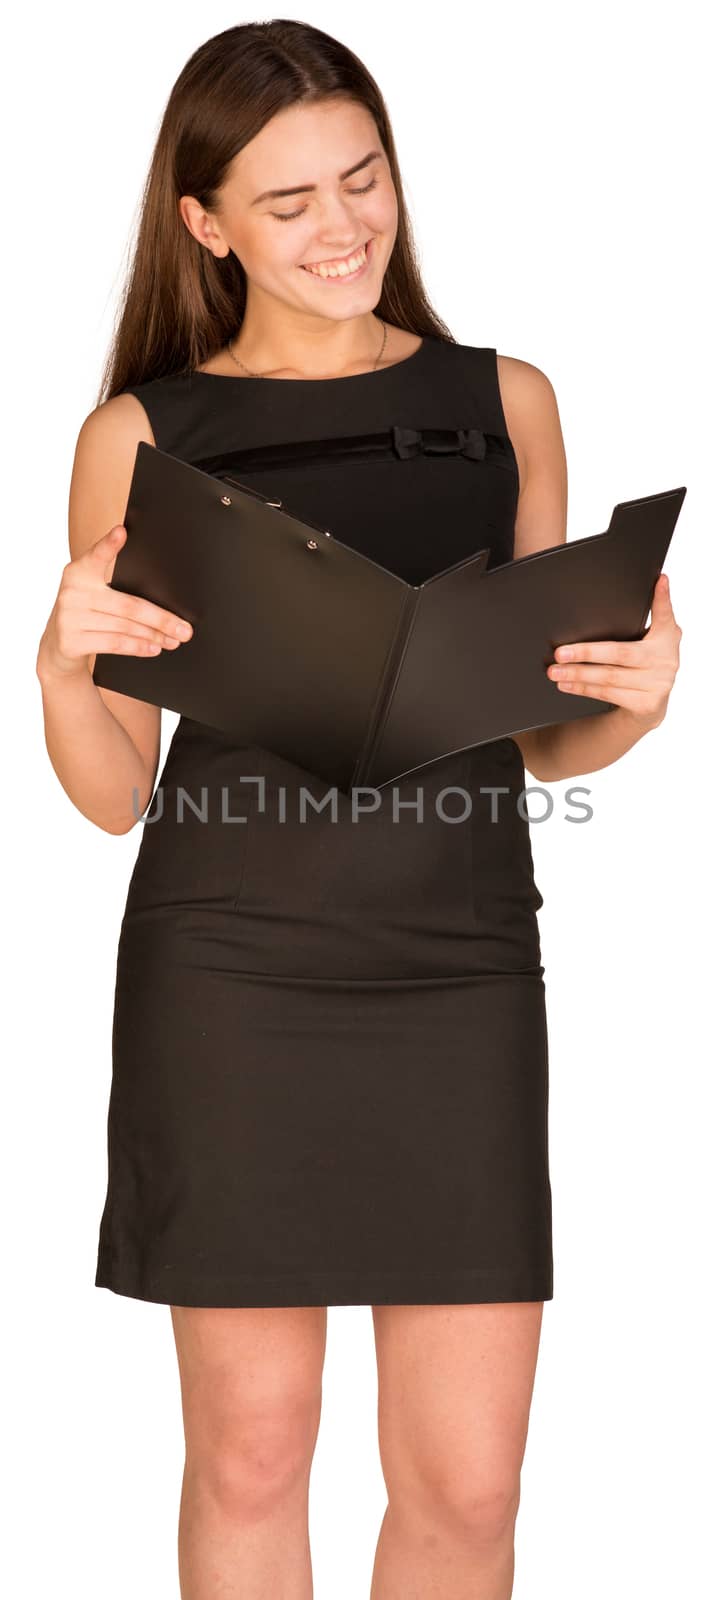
x,y
352,264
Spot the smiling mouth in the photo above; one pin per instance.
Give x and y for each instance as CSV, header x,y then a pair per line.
x,y
334,276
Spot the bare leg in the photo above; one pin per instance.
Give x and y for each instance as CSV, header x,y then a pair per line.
x,y
455,1387
251,1402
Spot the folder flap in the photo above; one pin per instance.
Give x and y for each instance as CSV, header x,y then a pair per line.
x,y
291,628
476,670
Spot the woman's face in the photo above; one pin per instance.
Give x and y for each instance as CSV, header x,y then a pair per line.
x,y
276,237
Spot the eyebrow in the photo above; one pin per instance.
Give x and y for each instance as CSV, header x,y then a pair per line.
x,y
308,188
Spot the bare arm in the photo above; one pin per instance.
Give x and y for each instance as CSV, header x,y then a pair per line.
x,y
643,672
102,745
533,422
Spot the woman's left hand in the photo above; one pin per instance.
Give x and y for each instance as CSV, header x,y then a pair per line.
x,y
636,674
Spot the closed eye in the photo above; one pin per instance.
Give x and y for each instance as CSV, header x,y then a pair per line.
x,y
288,216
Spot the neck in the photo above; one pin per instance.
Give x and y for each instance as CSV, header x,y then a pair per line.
x,y
327,349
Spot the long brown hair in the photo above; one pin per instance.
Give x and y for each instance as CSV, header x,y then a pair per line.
x,y
181,304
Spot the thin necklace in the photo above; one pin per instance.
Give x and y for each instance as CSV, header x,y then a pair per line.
x,y
262,374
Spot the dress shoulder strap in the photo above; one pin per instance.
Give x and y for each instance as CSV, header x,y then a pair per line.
x,y
159,398
476,369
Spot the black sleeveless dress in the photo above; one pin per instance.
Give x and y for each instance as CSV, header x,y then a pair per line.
x,y
330,1073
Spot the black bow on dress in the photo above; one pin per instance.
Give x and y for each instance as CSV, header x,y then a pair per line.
x,y
439,442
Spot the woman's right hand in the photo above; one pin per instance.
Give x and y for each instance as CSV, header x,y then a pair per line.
x,y
89,617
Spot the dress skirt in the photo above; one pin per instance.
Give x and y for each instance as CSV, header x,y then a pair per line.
x,y
330,1066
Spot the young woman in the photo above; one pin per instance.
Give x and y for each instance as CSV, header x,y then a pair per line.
x,y
330,1078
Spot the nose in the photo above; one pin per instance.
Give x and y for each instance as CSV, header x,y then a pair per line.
x,y
339,229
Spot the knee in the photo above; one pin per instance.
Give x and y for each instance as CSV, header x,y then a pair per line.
x,y
253,1464
485,1510
478,1506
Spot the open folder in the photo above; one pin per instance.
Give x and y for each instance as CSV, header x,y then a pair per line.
x,y
305,647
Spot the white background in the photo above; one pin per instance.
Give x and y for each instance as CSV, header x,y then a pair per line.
x,y
558,164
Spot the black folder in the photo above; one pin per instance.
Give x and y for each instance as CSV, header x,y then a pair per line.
x,y
305,647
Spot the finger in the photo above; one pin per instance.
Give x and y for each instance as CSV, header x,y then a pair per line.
x,y
624,652
99,559
117,623
104,552
614,676
637,700
116,644
106,548
662,612
132,607
594,693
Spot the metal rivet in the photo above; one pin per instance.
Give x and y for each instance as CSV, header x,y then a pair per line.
x,y
327,534
312,544
226,500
